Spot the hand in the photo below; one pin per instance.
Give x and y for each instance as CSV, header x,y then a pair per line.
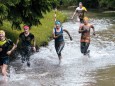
x,y
71,38
9,52
57,36
34,49
94,33
85,30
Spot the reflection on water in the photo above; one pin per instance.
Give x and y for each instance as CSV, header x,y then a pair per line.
x,y
76,69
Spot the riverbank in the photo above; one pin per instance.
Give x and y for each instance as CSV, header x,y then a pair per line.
x,y
42,32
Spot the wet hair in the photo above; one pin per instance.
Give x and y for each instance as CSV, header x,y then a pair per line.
x,y
86,18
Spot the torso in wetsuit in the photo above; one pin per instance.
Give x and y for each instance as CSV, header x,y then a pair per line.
x,y
60,38
85,36
26,40
4,47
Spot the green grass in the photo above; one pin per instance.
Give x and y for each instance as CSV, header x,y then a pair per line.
x,y
42,32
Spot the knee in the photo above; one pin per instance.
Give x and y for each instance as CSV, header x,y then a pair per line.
x,y
59,54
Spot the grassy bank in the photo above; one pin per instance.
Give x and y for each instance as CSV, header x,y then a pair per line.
x,y
42,32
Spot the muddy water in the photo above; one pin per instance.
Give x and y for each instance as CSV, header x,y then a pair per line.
x,y
75,69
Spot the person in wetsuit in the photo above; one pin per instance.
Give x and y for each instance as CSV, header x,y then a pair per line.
x,y
26,38
59,40
80,11
84,30
6,48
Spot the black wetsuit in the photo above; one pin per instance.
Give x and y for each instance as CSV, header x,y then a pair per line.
x,y
4,58
85,39
59,42
26,47
84,47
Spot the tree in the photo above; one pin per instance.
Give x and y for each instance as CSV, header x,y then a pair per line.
x,y
107,3
23,11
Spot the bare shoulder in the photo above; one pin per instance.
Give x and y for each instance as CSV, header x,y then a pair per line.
x,y
81,25
90,25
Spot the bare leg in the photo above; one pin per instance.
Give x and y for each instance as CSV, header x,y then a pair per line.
x,y
4,71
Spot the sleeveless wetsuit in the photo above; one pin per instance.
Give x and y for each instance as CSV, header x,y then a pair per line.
x,y
85,39
59,42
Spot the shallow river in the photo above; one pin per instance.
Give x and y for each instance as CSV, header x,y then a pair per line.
x,y
75,69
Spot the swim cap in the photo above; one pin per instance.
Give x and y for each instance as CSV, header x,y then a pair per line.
x,y
2,32
86,18
26,27
58,23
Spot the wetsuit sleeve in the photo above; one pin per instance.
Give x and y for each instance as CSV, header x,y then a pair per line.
x,y
80,29
33,37
10,42
20,36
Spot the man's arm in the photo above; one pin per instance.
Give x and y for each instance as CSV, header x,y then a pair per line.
x,y
68,33
17,41
80,29
93,29
12,49
54,36
73,14
34,44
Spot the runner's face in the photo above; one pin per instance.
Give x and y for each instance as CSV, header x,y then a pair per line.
x,y
1,36
57,26
85,21
26,30
80,5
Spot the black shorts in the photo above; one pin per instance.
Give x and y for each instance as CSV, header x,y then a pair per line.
x,y
81,20
4,60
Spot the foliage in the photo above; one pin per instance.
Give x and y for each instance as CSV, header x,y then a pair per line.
x,y
42,32
23,11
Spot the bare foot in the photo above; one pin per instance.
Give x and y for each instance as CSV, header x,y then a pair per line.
x,y
60,58
5,79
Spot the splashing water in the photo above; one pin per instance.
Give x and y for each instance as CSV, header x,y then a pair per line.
x,y
75,69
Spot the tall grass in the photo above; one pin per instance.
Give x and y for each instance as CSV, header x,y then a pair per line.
x,y
42,32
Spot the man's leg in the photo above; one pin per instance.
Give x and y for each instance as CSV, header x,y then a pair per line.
x,y
60,48
22,53
82,47
4,67
28,54
86,48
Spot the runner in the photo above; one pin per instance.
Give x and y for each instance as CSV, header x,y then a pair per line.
x,y
85,35
59,40
80,12
26,48
5,52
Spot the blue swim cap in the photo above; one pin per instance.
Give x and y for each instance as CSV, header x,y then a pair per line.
x,y
58,23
